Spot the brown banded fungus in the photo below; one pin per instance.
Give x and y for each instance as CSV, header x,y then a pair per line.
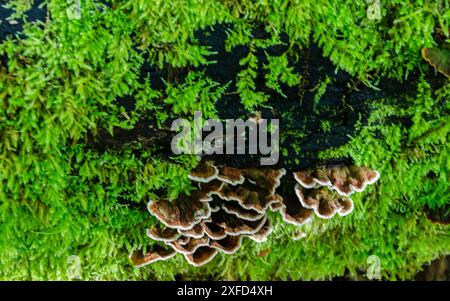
x,y
345,180
266,178
162,234
204,172
140,259
323,201
231,204
230,175
201,256
183,213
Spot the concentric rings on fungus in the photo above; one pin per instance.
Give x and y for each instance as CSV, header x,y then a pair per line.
x,y
191,246
227,208
228,245
204,172
140,259
162,234
323,202
182,213
266,178
201,256
230,175
345,180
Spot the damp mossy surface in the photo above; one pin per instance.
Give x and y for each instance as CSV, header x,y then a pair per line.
x,y
88,90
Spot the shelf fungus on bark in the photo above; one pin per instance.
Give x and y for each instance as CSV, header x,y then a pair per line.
x,y
345,180
139,258
231,204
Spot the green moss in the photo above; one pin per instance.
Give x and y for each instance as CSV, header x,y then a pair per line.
x,y
64,77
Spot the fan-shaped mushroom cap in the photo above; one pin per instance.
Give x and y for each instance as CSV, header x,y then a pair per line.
x,y
229,244
204,172
162,234
294,213
264,232
182,213
140,259
347,206
216,206
201,256
322,176
276,206
212,187
339,178
230,175
322,201
195,232
265,178
236,226
307,201
360,177
233,207
189,247
249,197
328,205
214,231
305,179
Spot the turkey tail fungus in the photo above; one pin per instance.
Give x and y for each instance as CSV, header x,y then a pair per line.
x,y
231,204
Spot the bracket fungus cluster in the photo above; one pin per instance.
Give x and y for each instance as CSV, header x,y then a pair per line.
x,y
232,203
326,191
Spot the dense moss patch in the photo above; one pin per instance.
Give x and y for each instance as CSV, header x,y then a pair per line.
x,y
81,86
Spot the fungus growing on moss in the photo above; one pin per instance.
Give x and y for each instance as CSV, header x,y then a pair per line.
x,y
204,172
212,187
322,201
345,180
439,58
360,177
214,231
226,208
139,258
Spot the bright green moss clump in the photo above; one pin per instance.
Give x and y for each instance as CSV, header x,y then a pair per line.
x,y
64,78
